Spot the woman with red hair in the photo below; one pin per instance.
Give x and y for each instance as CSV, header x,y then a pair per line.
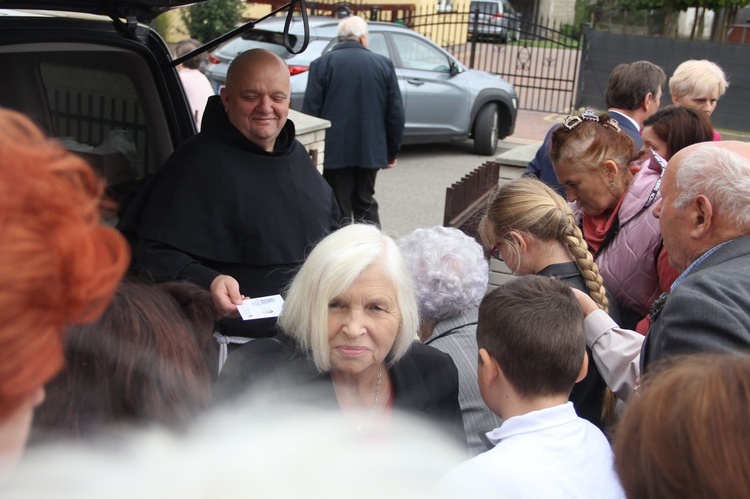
x,y
58,266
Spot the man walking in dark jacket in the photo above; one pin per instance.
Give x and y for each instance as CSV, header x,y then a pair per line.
x,y
357,91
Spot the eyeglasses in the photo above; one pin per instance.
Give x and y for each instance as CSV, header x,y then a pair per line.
x,y
495,252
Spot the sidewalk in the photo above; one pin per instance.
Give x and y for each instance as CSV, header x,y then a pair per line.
x,y
520,148
531,128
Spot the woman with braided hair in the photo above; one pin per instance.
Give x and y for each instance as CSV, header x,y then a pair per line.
x,y
612,194
531,227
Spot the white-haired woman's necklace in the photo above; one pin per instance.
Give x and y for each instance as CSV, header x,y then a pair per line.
x,y
377,389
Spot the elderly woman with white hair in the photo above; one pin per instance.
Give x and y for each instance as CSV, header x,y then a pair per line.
x,y
348,327
450,275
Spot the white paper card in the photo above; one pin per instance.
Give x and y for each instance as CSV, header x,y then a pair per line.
x,y
261,308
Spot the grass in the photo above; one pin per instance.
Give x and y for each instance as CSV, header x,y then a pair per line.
x,y
571,44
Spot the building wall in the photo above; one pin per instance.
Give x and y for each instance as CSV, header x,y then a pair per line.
x,y
557,11
685,23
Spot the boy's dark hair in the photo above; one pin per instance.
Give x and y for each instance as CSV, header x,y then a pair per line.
x,y
533,327
629,84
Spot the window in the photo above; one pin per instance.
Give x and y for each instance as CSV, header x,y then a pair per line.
x,y
445,6
418,54
489,8
91,108
378,45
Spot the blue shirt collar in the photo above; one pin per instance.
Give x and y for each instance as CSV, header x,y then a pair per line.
x,y
695,264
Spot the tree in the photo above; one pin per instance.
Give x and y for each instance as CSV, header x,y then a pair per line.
x,y
723,10
208,20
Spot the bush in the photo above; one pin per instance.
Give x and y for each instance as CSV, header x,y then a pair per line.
x,y
208,20
571,31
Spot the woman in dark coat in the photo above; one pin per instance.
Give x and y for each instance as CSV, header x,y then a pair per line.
x,y
348,328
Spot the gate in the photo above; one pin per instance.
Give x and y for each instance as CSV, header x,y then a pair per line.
x,y
540,60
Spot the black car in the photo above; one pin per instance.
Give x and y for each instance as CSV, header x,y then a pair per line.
x,y
103,83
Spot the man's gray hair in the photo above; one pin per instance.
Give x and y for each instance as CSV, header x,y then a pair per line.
x,y
449,271
352,28
722,176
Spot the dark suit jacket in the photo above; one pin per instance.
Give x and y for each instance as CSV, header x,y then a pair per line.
x,y
424,381
357,91
709,311
541,166
627,126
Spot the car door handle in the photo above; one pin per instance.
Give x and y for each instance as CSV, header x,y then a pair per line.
x,y
415,82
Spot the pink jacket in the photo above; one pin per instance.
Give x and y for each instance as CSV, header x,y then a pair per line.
x,y
628,262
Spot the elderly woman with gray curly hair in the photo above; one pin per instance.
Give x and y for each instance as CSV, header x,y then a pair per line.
x,y
348,327
450,275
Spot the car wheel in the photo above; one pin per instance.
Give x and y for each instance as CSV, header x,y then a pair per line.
x,y
485,130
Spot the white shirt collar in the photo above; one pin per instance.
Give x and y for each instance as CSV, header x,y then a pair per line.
x,y
533,421
636,125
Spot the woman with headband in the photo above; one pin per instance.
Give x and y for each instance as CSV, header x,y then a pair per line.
x,y
612,195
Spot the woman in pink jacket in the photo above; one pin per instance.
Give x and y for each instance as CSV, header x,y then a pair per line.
x,y
612,194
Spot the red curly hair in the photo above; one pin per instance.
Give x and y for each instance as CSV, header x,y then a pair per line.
x,y
58,264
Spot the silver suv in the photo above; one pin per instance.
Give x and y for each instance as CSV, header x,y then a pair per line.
x,y
444,99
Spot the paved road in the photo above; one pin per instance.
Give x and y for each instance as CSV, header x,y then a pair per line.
x,y
413,194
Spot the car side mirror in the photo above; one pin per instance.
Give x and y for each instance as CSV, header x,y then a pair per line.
x,y
453,68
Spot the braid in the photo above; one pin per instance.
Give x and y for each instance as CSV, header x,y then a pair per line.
x,y
573,239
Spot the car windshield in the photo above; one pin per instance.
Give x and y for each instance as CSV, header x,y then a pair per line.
x,y
313,51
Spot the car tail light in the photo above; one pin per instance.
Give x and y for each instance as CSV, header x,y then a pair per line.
x,y
295,70
213,59
499,15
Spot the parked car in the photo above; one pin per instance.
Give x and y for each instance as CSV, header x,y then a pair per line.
x,y
495,20
444,100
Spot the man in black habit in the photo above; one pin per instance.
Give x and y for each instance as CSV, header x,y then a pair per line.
x,y
236,208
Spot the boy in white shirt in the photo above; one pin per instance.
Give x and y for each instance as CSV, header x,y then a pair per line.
x,y
531,353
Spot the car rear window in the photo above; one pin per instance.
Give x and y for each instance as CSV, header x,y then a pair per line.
x,y
98,114
253,39
485,7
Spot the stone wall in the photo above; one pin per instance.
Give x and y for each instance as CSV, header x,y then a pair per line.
x,y
311,132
